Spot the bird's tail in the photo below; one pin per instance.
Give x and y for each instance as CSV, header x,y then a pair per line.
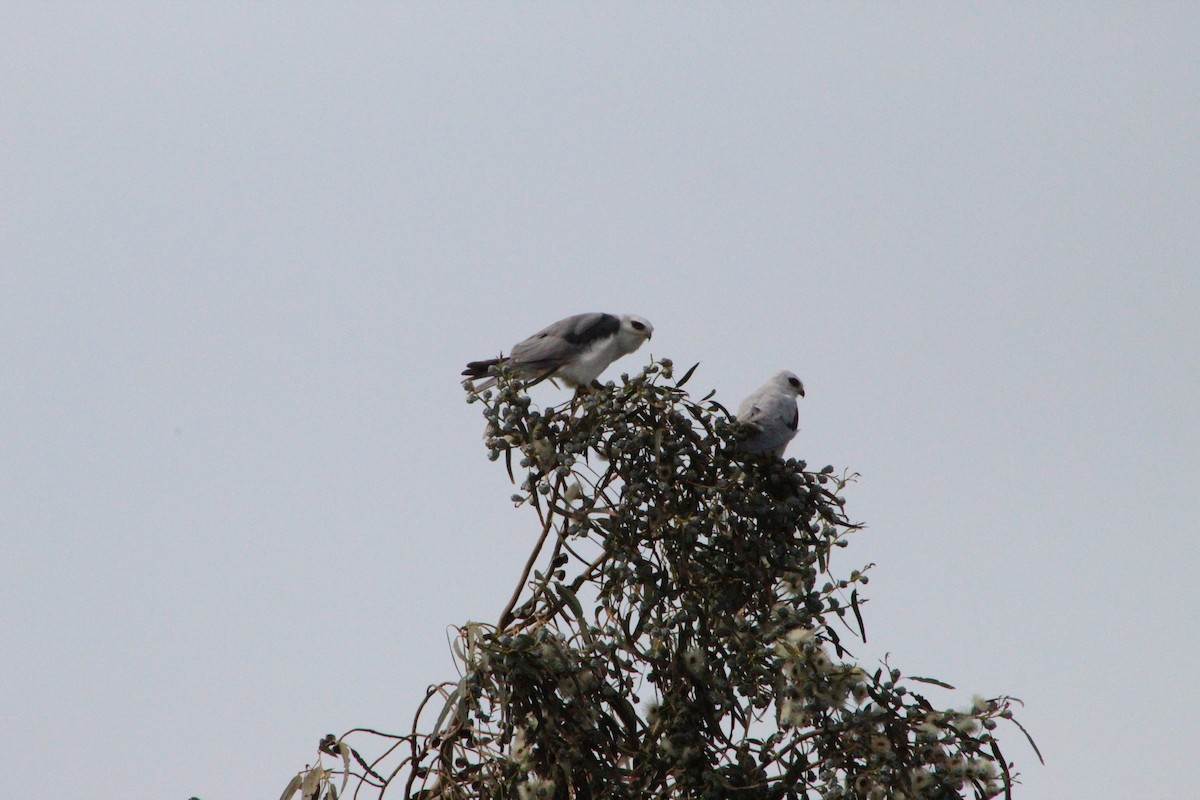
x,y
479,369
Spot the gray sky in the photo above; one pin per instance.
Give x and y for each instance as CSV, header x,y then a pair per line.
x,y
246,250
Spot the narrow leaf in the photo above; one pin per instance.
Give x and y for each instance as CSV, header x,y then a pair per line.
x,y
344,749
837,642
310,787
292,786
862,630
1004,767
686,376
1032,743
451,702
568,597
362,762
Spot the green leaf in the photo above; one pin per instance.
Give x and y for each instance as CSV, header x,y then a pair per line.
x,y
686,376
862,630
292,787
451,702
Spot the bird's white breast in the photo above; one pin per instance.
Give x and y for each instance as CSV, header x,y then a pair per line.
x,y
588,365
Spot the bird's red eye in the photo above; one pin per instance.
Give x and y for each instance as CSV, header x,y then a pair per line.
x,y
637,326
794,382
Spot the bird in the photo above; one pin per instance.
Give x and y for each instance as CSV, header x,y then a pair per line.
x,y
771,414
574,350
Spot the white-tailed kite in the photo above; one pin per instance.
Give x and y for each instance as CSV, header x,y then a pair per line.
x,y
575,350
772,414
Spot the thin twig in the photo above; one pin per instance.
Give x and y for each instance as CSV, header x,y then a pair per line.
x,y
506,615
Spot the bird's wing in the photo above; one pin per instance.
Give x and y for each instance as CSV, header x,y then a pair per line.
x,y
557,344
772,415
581,329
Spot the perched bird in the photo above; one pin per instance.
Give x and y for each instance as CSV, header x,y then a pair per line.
x,y
575,350
771,414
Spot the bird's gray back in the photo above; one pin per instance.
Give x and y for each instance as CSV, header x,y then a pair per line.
x,y
774,415
561,340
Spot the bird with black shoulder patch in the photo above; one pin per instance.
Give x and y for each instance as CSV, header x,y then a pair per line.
x,y
574,350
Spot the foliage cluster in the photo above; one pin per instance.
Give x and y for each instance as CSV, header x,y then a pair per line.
x,y
677,632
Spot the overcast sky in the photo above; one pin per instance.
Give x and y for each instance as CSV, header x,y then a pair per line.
x,y
247,248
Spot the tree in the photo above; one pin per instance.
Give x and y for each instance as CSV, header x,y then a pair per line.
x,y
677,632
